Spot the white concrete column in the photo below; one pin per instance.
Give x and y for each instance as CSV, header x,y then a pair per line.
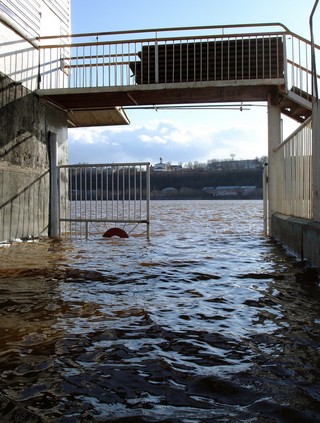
x,y
316,160
54,191
274,139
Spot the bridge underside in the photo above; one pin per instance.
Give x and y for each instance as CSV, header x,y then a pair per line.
x,y
96,116
103,106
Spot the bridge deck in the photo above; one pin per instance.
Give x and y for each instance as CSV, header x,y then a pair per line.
x,y
103,106
198,92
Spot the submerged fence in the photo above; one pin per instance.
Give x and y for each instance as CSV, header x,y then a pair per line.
x,y
104,196
293,160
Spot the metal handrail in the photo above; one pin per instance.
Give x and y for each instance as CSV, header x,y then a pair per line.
x,y
157,39
285,31
173,29
105,165
294,133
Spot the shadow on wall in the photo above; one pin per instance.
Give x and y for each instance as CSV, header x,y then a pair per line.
x,y
24,215
24,164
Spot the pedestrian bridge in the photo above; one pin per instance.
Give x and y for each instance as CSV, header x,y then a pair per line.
x,y
94,76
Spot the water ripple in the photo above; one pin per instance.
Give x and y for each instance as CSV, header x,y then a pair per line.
x,y
208,322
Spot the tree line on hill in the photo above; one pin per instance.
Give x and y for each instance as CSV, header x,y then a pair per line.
x,y
195,183
198,179
186,183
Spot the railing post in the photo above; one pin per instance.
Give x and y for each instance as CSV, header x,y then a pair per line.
x,y
285,65
148,199
265,200
156,61
54,190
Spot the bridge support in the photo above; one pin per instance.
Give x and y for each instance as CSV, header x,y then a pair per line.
x,y
54,194
274,139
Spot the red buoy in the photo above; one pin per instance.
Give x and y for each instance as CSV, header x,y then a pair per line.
x,y
115,232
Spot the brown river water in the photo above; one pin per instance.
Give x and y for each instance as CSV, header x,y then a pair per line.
x,y
209,321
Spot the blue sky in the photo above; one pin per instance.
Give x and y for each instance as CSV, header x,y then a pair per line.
x,y
182,136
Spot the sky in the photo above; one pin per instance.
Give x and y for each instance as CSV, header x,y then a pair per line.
x,y
181,137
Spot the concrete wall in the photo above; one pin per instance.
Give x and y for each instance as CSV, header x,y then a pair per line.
x,y
25,121
24,160
301,236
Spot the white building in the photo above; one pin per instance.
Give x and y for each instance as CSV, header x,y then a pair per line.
x,y
22,23
160,167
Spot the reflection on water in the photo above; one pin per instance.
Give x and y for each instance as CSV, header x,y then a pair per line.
x,y
208,322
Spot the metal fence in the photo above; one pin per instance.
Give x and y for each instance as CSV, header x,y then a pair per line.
x,y
104,196
175,55
293,161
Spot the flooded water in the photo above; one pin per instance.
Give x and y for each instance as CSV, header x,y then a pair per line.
x,y
209,321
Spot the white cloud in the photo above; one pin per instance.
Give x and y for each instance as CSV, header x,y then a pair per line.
x,y
145,138
152,139
85,136
197,136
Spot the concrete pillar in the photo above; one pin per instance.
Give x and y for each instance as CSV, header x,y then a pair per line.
x,y
274,139
316,160
54,191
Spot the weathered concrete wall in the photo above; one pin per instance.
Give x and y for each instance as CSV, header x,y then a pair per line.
x,y
301,236
24,160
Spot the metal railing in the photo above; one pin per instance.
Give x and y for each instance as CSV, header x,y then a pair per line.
x,y
293,165
195,54
100,197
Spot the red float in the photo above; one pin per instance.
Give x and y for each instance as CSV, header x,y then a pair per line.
x,y
115,232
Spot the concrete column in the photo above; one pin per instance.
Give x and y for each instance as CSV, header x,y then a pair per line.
x,y
316,160
274,139
54,191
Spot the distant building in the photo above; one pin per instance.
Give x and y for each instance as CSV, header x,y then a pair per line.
x,y
232,164
174,168
232,191
169,192
160,167
209,190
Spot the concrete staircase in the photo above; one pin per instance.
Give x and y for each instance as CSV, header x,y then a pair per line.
x,y
296,104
